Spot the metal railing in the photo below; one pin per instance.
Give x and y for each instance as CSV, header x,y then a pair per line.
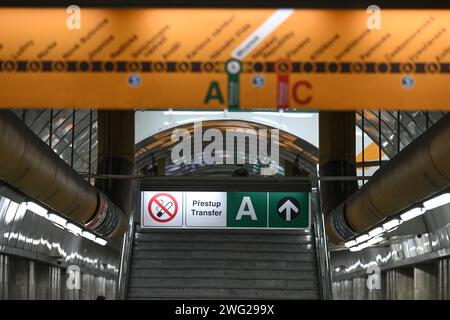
x,y
322,253
127,246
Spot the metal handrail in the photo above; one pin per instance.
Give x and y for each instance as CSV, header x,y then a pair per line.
x,y
322,252
127,246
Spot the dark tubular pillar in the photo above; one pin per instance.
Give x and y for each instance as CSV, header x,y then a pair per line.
x,y
116,155
337,158
29,165
416,173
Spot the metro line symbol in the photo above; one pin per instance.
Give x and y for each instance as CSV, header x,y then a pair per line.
x,y
163,207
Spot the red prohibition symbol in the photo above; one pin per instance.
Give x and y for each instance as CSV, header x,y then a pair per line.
x,y
162,207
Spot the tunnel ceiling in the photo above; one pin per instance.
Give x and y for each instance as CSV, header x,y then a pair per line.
x,y
411,125
159,146
62,125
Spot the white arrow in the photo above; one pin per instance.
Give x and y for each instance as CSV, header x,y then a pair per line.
x,y
288,206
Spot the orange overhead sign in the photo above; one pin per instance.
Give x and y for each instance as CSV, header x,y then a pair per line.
x,y
224,58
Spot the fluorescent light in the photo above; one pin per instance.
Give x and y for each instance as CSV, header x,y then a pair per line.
x,y
411,214
88,235
393,229
57,219
75,229
191,113
376,231
362,238
100,241
297,115
350,243
271,113
391,224
375,240
59,226
438,201
21,210
37,209
354,249
11,212
364,245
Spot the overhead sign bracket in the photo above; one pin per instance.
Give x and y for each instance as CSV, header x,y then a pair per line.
x,y
199,183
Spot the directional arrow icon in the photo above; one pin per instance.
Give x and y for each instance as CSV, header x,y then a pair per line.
x,y
289,207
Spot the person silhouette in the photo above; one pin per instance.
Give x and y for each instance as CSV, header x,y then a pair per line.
x,y
241,171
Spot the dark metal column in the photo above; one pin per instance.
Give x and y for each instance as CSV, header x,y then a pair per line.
x,y
419,171
337,157
116,155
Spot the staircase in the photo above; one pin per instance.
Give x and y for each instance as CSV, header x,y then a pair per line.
x,y
223,264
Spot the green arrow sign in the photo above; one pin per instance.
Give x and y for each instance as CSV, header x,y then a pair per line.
x,y
288,210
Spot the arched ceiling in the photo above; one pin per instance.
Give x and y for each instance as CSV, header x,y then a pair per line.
x,y
291,149
411,125
81,125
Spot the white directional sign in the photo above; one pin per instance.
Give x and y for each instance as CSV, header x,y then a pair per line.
x,y
206,209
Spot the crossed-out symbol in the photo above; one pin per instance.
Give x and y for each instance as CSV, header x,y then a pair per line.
x,y
162,207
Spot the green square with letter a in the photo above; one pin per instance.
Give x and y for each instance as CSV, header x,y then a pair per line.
x,y
247,209
289,210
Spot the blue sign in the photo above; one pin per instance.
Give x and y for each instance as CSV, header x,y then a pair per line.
x,y
134,80
408,82
258,81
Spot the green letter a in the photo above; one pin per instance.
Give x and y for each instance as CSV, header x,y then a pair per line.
x,y
213,93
